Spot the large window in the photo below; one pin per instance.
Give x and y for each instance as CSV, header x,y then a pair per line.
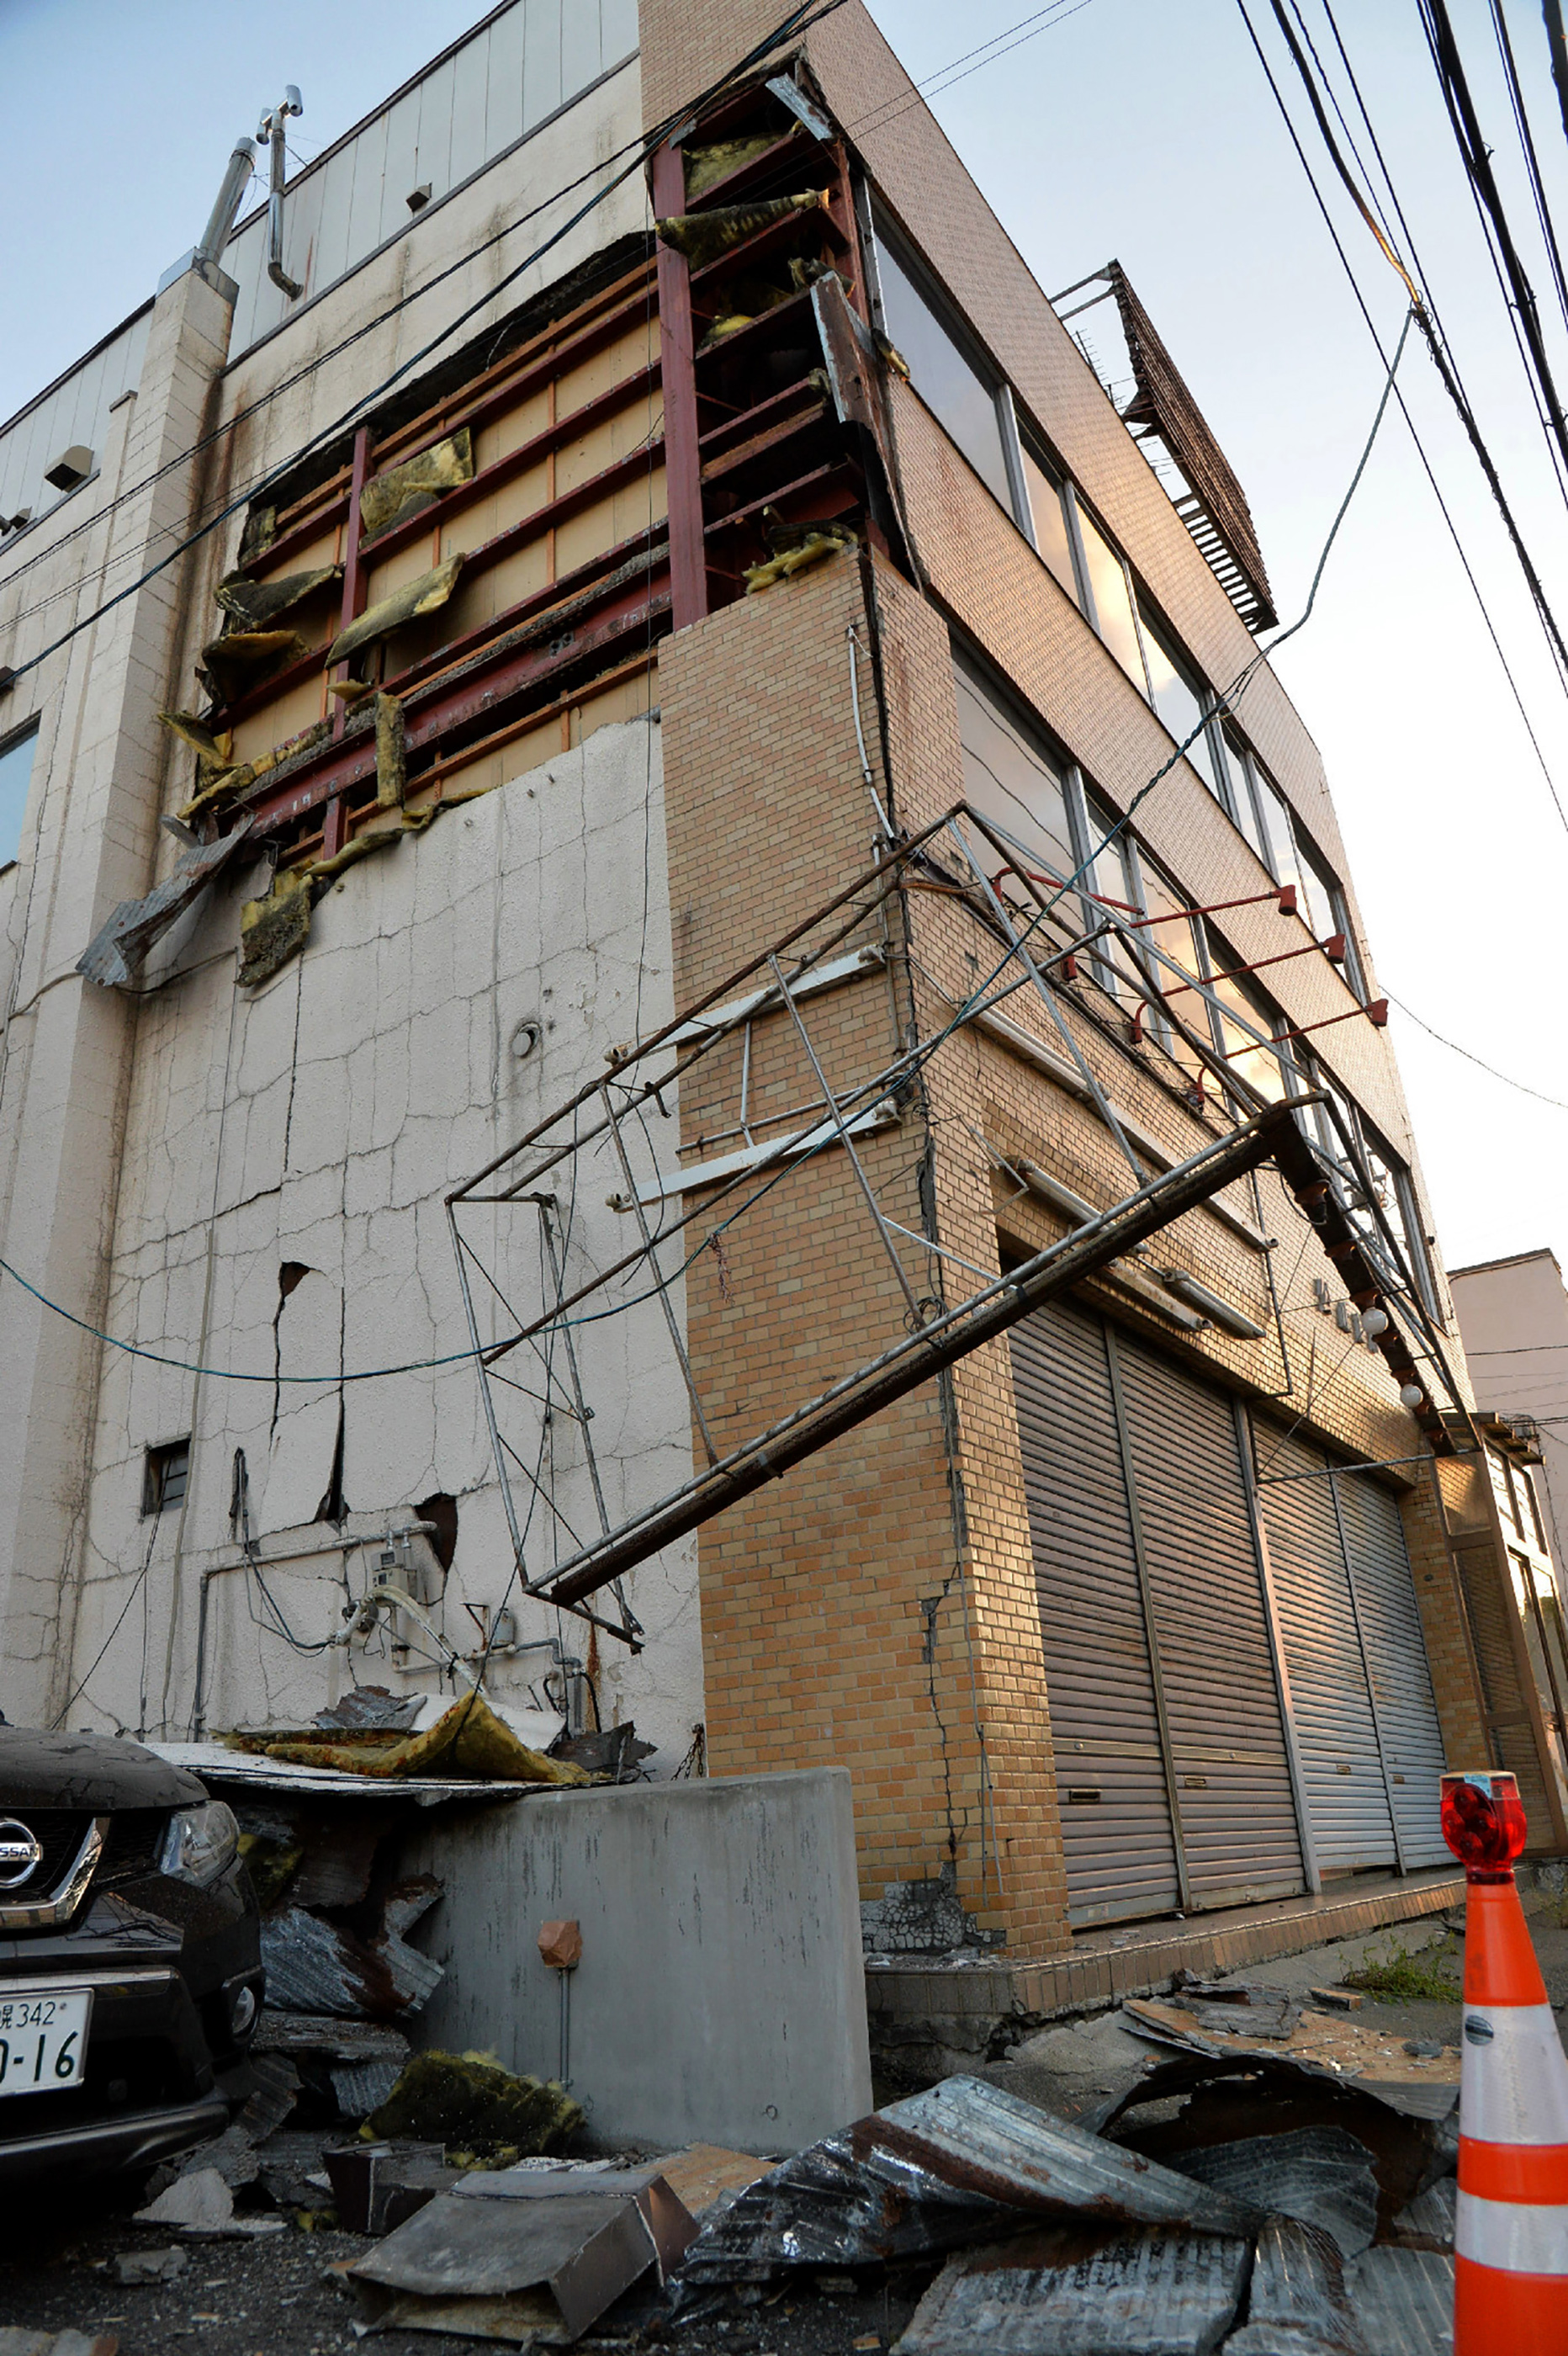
x,y
952,385
1012,781
16,771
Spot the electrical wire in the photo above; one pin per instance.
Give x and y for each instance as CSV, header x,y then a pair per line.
x,y
1415,437
136,1586
1532,161
1475,156
1523,1085
885,1084
798,21
936,84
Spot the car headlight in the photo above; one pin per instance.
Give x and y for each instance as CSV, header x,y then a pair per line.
x,y
199,1844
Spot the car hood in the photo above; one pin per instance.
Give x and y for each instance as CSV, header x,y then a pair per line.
x,y
92,1771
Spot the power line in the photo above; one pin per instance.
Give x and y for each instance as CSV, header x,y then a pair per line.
x,y
1475,156
1524,1350
798,19
936,85
1523,1085
1404,411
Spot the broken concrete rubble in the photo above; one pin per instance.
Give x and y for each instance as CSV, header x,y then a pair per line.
x,y
468,2100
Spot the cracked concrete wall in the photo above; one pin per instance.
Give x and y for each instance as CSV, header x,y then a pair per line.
x,y
87,841
164,1157
319,1124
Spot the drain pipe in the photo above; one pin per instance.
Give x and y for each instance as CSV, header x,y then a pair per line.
x,y
235,180
272,128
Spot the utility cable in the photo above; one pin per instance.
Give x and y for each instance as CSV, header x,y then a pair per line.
x,y
1523,1085
1414,434
798,19
1435,344
1475,156
1532,161
885,1084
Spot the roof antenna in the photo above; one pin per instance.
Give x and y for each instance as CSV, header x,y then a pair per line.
x,y
235,180
271,128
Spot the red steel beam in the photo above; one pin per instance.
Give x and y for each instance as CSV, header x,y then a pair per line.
x,y
683,471
447,704
446,416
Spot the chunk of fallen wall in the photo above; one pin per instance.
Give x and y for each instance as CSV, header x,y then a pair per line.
x,y
720,1997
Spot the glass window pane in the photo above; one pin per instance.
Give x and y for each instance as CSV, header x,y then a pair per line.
x,y
942,376
1246,816
1049,524
1177,703
15,768
1317,899
1113,606
1171,954
1257,1065
1110,883
1013,784
1278,837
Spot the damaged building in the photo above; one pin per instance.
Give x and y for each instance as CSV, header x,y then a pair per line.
x,y
635,806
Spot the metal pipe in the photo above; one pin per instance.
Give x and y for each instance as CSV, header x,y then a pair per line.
x,y
272,128
221,220
913,1359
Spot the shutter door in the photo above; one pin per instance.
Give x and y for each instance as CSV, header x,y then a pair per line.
x,y
1120,1857
1337,1737
1222,1706
1396,1656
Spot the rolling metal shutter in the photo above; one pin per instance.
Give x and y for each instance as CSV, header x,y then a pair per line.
x,y
1336,1733
1223,1701
1173,1778
1396,1656
1366,1722
1110,1768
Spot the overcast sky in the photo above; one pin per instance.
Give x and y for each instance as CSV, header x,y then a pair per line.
x,y
1141,130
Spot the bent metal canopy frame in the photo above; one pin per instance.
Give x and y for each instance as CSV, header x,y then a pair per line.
x,y
559,1290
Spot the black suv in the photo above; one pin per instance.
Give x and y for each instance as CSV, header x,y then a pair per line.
x,y
130,1956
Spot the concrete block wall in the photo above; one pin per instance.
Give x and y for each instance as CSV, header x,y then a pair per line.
x,y
720,1997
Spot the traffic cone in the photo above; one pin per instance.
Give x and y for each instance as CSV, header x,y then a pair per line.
x,y
1511,2236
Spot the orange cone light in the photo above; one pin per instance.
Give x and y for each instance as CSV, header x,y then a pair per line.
x,y
1510,2237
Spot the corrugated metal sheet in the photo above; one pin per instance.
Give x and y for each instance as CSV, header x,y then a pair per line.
x,y
1238,1815
1319,2175
940,2170
1331,1703
1396,1654
1154,2293
1120,1856
510,74
1298,2304
74,409
1403,2301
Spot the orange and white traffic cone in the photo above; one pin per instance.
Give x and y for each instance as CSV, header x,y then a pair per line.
x,y
1511,2236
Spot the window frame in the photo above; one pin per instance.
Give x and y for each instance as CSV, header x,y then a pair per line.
x,y
907,259
158,1467
28,731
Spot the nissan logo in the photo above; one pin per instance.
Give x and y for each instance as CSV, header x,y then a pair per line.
x,y
21,1853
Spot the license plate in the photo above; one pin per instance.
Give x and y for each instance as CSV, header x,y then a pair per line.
x,y
43,2040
